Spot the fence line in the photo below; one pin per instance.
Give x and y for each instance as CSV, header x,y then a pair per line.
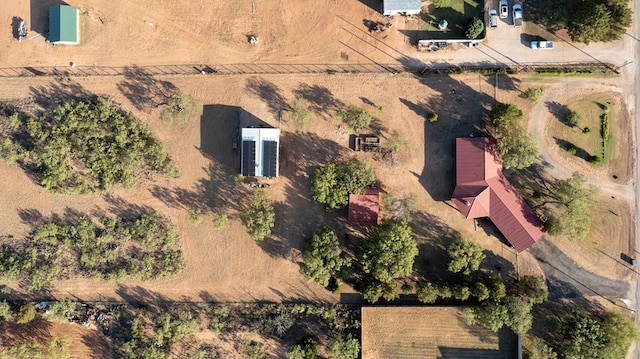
x,y
269,69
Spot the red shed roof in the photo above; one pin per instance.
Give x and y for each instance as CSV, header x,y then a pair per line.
x,y
483,191
364,208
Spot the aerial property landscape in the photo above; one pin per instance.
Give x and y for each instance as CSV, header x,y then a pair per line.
x,y
319,179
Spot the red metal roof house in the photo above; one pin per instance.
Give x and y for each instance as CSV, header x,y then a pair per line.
x,y
482,190
364,208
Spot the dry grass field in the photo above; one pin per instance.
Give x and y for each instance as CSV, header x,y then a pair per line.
x,y
429,333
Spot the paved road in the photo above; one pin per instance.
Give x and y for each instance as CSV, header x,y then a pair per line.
x,y
567,280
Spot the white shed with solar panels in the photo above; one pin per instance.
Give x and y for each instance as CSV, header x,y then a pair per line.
x,y
259,152
401,7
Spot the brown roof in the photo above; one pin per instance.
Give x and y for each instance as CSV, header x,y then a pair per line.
x,y
483,191
364,208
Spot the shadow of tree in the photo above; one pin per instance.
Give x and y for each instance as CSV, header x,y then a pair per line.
x,y
268,92
12,334
559,111
143,90
126,210
138,296
566,145
31,216
321,100
60,90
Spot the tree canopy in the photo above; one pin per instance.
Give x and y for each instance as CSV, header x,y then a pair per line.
x,y
511,311
355,117
474,28
577,201
605,335
517,148
465,256
259,217
86,147
333,182
389,251
598,20
323,258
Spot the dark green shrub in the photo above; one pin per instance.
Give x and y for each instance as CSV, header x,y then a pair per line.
x,y
433,117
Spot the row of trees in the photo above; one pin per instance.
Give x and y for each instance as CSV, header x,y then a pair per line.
x,y
112,250
85,147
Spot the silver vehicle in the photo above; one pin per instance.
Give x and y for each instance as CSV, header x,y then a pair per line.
x,y
504,9
517,15
493,18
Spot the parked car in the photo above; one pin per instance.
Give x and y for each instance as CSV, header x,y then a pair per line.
x,y
493,18
504,9
542,45
517,15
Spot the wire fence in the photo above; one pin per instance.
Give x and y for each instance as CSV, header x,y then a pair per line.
x,y
260,69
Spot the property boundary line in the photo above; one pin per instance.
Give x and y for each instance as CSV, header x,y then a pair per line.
x,y
272,69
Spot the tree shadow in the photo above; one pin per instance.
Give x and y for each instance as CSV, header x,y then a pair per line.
x,y
567,146
268,92
143,90
37,330
62,89
126,210
138,296
31,216
433,237
321,100
99,344
559,111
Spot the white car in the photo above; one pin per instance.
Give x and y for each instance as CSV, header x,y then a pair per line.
x,y
542,45
493,18
517,15
504,9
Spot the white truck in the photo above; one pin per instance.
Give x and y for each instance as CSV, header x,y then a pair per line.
x,y
542,45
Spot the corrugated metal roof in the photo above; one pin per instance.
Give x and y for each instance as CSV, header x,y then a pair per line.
x,y
364,208
483,191
391,7
64,25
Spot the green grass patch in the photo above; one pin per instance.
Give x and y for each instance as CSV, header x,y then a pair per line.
x,y
457,13
591,110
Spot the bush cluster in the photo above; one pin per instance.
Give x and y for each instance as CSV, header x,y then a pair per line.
x,y
113,250
85,147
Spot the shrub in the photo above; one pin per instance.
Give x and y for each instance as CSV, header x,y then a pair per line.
x,y
553,226
179,108
605,127
220,221
573,118
355,117
396,141
532,94
259,217
474,28
595,159
5,311
441,3
26,313
195,216
300,114
586,130
572,149
433,117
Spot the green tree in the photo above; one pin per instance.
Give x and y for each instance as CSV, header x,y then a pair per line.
x,y
371,289
179,108
6,313
474,28
323,258
517,148
333,182
598,20
344,347
577,201
605,335
538,349
428,292
61,310
465,256
355,117
259,217
553,226
532,289
511,311
308,349
389,251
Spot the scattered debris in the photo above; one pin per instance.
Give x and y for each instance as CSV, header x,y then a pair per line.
x,y
253,39
22,31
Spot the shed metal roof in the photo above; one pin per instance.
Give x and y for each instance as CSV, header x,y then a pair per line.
x,y
482,190
392,7
259,152
364,208
64,25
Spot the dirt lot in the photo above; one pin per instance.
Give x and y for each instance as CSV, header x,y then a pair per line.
x,y
227,265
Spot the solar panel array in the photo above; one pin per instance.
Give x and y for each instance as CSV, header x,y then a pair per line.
x,y
269,158
248,158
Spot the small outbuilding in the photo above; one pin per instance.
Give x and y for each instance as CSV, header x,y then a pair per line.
x,y
401,7
259,152
364,208
64,25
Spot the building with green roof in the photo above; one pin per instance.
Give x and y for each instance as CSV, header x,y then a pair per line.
x,y
64,25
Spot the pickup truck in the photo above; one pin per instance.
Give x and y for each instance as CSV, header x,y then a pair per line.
x,y
542,45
